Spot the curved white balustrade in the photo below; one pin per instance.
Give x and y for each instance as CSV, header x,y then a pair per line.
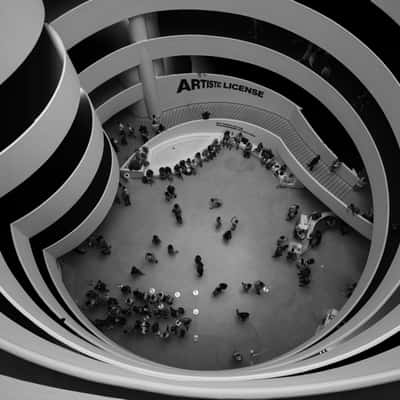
x,y
378,369
25,390
94,348
109,66
93,16
93,220
24,156
72,189
21,22
119,102
90,17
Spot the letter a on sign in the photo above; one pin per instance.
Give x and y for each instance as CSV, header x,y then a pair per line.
x,y
183,85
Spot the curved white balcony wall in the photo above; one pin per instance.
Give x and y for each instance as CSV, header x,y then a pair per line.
x,y
25,254
378,369
372,336
390,7
21,22
70,192
109,66
314,141
95,15
93,220
119,102
27,153
15,294
25,390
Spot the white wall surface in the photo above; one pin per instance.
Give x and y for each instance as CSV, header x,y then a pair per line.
x,y
34,147
73,188
93,220
120,101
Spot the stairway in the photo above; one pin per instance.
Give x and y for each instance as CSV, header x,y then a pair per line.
x,y
269,121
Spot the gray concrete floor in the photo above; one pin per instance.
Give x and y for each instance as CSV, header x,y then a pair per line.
x,y
280,320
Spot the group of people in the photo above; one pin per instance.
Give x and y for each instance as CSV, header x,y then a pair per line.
x,y
282,245
258,286
97,242
139,159
190,165
149,308
304,271
128,131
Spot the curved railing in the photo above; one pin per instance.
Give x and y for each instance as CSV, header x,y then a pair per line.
x,y
45,63
18,161
375,369
90,17
69,192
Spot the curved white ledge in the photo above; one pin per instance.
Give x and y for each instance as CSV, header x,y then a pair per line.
x,y
21,22
31,149
72,189
109,66
25,390
379,369
95,15
115,355
120,101
385,367
93,220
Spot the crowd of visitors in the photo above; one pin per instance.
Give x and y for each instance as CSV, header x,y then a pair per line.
x,y
154,313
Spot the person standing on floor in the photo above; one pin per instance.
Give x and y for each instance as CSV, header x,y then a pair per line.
x,y
125,196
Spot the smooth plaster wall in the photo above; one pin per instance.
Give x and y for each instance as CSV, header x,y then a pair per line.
x,y
70,192
26,154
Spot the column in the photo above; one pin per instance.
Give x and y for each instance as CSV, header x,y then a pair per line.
x,y
138,33
145,72
153,30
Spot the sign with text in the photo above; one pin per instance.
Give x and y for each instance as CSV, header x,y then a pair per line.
x,y
195,84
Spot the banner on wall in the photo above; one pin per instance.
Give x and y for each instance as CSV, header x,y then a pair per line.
x,y
196,84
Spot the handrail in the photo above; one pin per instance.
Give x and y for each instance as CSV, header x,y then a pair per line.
x,y
15,165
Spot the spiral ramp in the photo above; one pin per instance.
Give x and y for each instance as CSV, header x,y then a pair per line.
x,y
59,175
